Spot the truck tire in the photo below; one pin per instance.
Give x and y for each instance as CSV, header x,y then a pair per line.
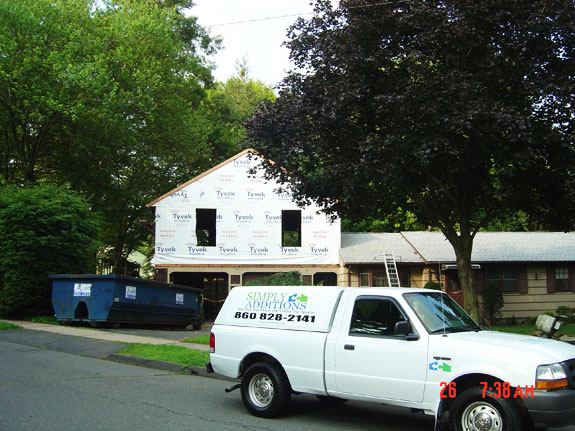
x,y
472,410
265,390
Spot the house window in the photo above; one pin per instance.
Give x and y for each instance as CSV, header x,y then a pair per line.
x,y
404,279
291,228
364,279
562,279
206,227
380,279
509,279
505,277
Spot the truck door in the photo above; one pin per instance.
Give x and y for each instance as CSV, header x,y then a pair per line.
x,y
371,359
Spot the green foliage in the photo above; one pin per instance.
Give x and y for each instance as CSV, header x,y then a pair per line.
x,y
4,326
530,329
200,339
103,96
492,301
565,310
48,320
228,106
177,354
292,278
432,285
43,230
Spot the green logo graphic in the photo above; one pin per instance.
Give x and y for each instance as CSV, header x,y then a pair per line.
x,y
445,367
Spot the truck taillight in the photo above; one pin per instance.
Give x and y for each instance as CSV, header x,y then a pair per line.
x,y
212,343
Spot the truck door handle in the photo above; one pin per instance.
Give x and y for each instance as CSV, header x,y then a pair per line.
x,y
349,347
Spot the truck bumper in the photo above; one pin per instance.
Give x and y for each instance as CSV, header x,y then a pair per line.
x,y
555,408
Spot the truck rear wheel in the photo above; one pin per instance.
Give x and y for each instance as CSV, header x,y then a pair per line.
x,y
476,410
266,390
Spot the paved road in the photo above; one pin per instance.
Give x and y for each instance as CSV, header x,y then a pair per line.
x,y
43,389
52,381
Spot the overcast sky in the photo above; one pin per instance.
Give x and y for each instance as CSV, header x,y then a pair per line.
x,y
258,40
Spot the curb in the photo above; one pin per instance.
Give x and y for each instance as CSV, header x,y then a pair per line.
x,y
165,366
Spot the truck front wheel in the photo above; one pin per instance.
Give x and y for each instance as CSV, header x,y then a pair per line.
x,y
266,390
476,410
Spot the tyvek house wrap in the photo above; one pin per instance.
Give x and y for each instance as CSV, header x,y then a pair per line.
x,y
248,222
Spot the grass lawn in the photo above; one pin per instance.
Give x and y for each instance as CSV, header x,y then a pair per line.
x,y
200,339
5,326
51,320
528,330
178,354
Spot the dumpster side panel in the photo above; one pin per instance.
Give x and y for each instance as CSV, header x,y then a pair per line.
x,y
66,298
149,303
113,298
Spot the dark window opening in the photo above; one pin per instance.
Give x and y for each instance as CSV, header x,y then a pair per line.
x,y
325,279
206,227
214,285
291,228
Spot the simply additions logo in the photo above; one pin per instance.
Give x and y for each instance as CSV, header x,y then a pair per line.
x,y
444,366
275,301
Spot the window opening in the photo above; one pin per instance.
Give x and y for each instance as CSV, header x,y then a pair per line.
x,y
206,227
291,228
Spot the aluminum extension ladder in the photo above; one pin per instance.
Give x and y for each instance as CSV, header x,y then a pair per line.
x,y
391,270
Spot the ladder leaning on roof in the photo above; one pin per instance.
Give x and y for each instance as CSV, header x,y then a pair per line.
x,y
391,270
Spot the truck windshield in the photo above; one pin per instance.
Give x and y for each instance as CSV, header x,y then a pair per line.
x,y
439,313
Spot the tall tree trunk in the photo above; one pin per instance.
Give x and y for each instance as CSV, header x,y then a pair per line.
x,y
463,245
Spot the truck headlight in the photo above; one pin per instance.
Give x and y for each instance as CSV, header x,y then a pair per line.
x,y
551,376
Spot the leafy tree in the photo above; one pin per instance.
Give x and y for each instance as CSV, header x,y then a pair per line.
x,y
103,96
43,230
227,106
378,222
455,111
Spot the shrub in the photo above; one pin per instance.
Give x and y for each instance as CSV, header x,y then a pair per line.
x,y
292,278
432,285
569,312
492,301
43,229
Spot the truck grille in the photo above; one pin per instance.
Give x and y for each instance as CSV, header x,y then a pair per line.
x,y
570,368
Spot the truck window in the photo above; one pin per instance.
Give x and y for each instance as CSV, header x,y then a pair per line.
x,y
438,312
375,316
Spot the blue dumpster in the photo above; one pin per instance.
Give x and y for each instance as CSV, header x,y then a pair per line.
x,y
118,299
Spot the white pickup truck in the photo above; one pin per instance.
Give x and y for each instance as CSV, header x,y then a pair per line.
x,y
406,347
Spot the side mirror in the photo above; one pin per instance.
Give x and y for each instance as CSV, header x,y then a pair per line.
x,y
403,328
